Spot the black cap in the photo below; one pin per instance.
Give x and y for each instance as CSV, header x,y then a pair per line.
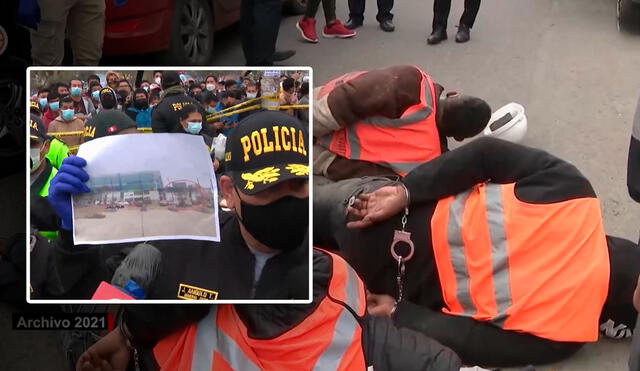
x,y
107,91
169,79
37,130
267,148
107,123
33,107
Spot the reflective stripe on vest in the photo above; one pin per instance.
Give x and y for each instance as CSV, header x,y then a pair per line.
x,y
329,338
401,144
536,268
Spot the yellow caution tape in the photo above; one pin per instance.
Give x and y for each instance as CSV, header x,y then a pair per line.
x,y
215,116
145,130
66,133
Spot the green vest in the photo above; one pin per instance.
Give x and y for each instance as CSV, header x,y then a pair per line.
x,y
58,151
41,188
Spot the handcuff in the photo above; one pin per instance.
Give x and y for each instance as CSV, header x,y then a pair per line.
x,y
402,236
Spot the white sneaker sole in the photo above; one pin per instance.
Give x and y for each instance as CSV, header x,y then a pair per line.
x,y
337,36
303,36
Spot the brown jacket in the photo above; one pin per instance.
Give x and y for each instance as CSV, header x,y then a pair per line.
x,y
59,125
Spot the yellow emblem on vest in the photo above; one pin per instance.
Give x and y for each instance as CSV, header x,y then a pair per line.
x,y
188,292
267,175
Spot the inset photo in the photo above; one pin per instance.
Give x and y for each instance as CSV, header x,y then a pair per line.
x,y
169,185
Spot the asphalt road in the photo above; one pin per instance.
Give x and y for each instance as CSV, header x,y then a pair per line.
x,y
564,60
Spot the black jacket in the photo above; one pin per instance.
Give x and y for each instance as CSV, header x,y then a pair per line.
x,y
633,167
164,117
226,267
385,346
43,217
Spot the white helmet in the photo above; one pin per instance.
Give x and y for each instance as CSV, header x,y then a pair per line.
x,y
508,123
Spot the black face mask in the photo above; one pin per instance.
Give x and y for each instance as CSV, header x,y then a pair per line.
x,y
108,103
141,103
280,225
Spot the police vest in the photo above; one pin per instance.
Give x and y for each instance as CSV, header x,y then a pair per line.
x,y
329,338
541,269
400,144
58,151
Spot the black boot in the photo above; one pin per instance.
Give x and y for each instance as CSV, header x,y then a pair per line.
x,y
439,34
352,24
463,34
387,26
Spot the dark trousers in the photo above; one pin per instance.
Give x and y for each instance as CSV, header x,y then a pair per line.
x,y
441,10
356,10
260,23
328,6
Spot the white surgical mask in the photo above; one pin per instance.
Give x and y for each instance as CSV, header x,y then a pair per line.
x,y
35,158
252,95
157,80
210,87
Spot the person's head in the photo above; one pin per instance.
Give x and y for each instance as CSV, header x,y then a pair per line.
x,y
190,119
283,77
230,85
157,77
267,180
62,88
124,85
154,99
226,99
112,80
94,90
39,143
209,101
108,98
93,78
53,100
296,85
141,99
75,89
34,108
304,89
101,128
202,85
67,112
145,84
287,85
170,79
252,90
42,97
196,91
246,81
220,85
463,116
210,80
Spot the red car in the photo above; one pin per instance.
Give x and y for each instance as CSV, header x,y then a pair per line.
x,y
181,30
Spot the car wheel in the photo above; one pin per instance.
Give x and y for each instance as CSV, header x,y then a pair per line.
x,y
296,7
192,34
628,16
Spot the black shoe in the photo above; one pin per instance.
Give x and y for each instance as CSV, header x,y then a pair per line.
x,y
439,34
387,26
281,55
463,34
352,24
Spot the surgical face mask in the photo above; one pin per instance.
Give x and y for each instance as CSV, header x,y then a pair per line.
x,y
95,95
54,106
252,95
67,114
183,77
194,127
42,102
157,80
146,88
280,225
210,87
34,153
211,109
76,91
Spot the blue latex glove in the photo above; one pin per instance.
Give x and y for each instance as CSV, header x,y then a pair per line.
x,y
70,180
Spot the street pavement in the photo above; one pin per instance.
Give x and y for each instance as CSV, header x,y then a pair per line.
x,y
564,60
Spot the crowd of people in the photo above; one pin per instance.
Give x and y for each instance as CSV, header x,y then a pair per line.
x,y
66,108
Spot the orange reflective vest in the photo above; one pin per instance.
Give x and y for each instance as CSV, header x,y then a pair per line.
x,y
329,338
541,269
400,144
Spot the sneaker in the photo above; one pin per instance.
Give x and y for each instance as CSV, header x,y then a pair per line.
x,y
307,28
337,29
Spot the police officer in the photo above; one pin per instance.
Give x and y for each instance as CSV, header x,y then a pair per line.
x,y
164,117
42,172
511,264
262,254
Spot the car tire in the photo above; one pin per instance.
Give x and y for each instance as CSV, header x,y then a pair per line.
x,y
295,7
192,34
628,16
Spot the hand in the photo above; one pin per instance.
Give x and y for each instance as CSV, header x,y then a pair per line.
x,y
109,354
216,164
70,180
380,305
636,296
371,208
